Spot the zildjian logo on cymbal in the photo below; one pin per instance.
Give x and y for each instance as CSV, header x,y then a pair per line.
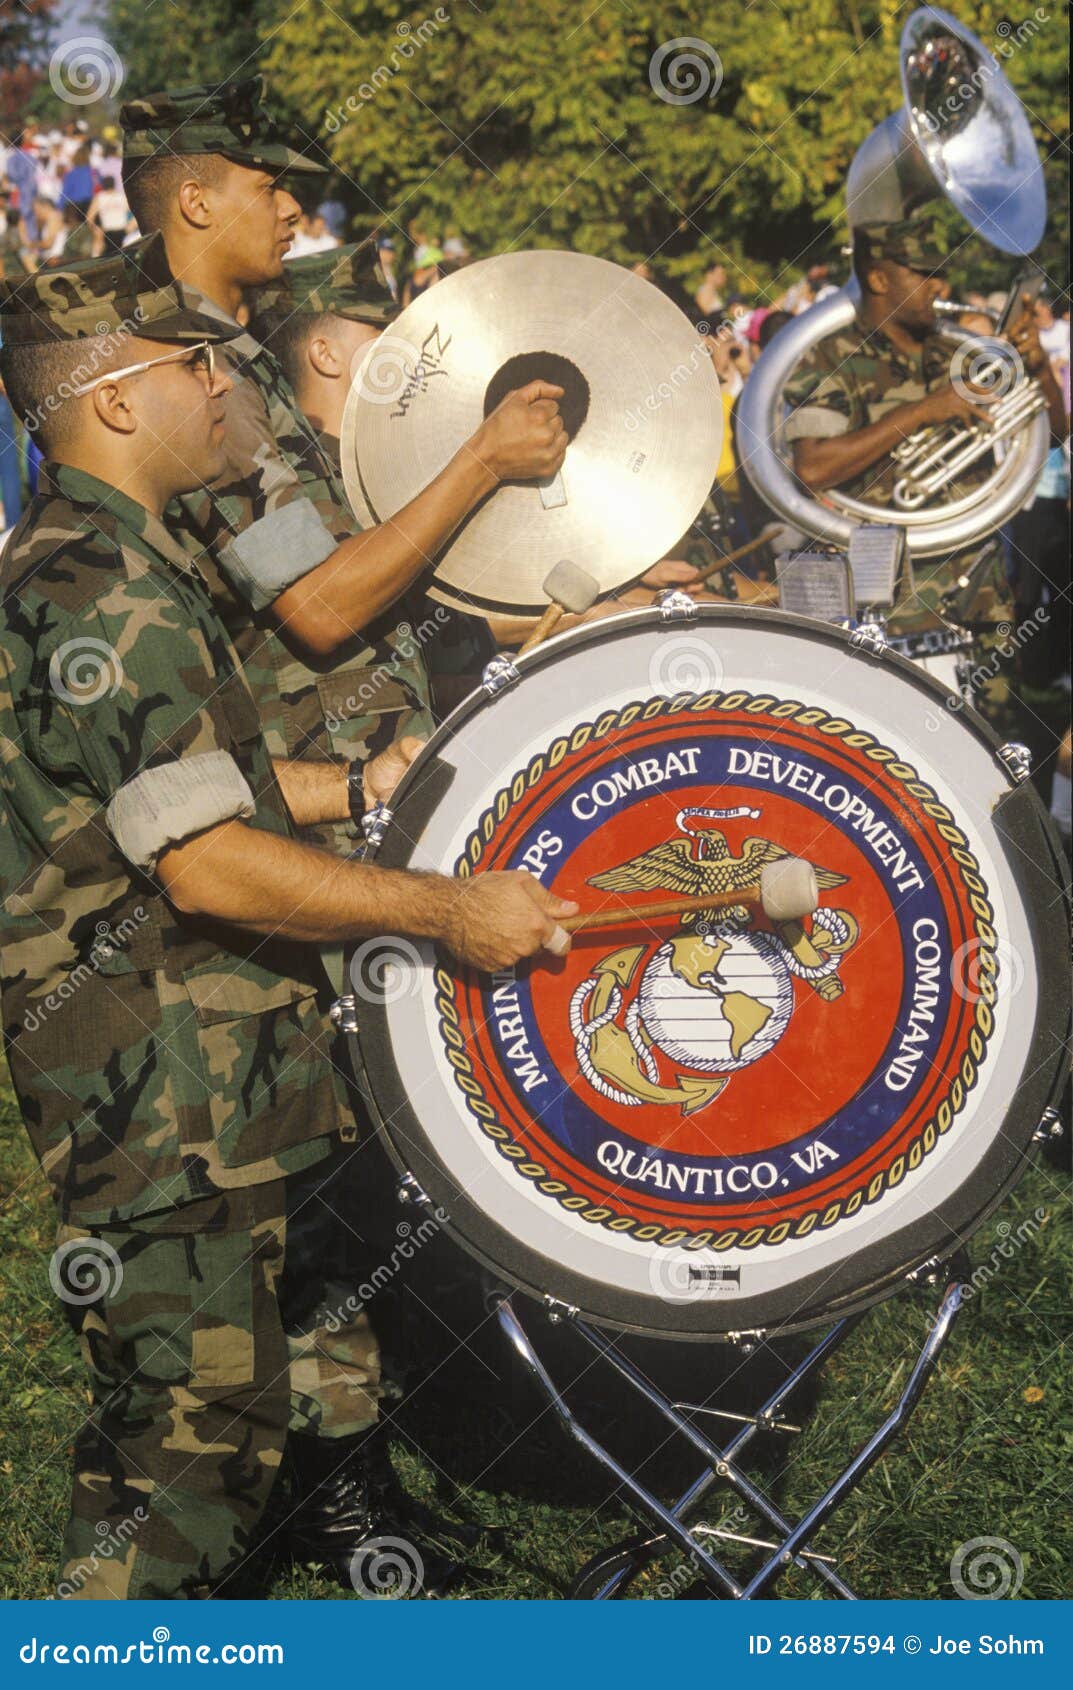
x,y
719,995
433,351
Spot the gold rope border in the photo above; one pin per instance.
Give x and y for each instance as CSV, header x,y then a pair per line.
x,y
925,1141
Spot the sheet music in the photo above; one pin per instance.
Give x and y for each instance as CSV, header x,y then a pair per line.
x,y
815,584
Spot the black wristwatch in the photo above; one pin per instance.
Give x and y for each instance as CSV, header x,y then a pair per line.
x,y
355,791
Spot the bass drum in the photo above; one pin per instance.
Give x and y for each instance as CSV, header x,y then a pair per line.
x,y
697,1127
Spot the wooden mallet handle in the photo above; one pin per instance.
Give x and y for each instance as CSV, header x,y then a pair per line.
x,y
544,628
787,892
627,913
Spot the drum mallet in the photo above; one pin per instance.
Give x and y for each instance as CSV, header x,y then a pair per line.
x,y
725,558
787,892
569,589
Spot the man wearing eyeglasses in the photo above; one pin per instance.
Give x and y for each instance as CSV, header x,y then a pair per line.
x,y
157,915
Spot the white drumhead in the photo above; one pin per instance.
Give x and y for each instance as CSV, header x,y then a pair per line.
x,y
699,1130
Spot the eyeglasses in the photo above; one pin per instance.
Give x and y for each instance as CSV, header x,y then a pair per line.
x,y
199,357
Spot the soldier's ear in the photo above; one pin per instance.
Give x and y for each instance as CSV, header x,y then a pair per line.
x,y
878,279
191,202
324,356
112,409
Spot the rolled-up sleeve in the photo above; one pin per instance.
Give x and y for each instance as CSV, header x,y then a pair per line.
x,y
277,550
172,801
279,497
144,705
815,422
819,405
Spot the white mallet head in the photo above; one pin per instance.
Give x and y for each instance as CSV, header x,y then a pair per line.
x,y
571,587
788,889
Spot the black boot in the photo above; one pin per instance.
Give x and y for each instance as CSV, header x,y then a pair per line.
x,y
351,1514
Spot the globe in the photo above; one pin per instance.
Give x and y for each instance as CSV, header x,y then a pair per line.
x,y
718,1002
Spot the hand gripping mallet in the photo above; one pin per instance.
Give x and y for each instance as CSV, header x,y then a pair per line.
x,y
788,891
569,589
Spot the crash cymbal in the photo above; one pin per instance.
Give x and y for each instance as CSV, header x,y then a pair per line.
x,y
641,403
355,491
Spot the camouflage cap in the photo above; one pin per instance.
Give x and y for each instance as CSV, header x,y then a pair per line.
x,y
231,120
133,292
913,241
348,281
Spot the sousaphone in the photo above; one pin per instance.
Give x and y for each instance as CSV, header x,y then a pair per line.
x,y
961,134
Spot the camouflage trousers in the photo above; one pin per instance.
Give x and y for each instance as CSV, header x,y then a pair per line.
x,y
196,1377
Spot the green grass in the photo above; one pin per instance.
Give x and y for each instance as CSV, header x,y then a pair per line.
x,y
987,1453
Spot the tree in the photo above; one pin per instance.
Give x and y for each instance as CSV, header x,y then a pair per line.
x,y
546,123
25,30
218,40
529,123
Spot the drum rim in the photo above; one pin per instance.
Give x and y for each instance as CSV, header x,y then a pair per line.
x,y
631,621
828,1293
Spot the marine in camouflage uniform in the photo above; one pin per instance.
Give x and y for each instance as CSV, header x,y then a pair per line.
x,y
853,378
280,507
171,1074
349,283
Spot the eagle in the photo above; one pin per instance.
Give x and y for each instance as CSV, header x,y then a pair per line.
x,y
672,867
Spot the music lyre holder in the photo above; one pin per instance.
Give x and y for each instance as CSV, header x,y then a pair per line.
x,y
609,1573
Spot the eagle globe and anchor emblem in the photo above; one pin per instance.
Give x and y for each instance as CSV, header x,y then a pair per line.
x,y
720,994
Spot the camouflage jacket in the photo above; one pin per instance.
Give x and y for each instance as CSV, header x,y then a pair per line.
x,y
450,643
279,510
157,1059
853,378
